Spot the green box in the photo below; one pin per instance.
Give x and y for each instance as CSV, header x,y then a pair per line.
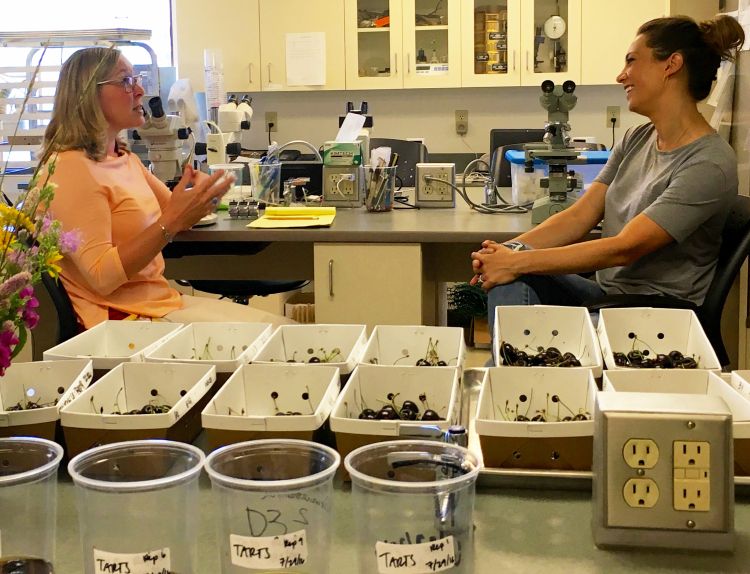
x,y
342,153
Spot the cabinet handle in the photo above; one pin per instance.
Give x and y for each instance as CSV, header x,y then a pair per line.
x,y
408,63
527,60
269,72
250,73
330,277
514,60
395,63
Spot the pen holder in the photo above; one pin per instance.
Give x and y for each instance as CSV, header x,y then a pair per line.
x,y
266,180
380,183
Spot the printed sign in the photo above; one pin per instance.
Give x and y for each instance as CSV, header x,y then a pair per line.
x,y
271,552
435,556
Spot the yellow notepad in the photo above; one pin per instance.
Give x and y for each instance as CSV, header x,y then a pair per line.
x,y
281,217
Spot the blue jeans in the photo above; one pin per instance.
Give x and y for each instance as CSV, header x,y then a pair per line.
x,y
566,290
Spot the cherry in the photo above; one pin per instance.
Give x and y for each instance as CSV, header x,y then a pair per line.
x,y
313,360
368,414
423,363
430,415
387,413
410,405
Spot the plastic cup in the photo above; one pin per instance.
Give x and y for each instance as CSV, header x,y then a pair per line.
x,y
238,169
138,506
28,501
274,505
380,185
413,503
266,181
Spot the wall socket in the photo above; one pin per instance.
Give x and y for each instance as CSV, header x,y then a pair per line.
x,y
462,122
272,118
663,471
433,185
342,185
613,113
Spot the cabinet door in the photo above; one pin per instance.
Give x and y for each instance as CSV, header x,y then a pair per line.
x,y
373,44
490,43
368,283
550,41
432,43
605,41
281,18
237,36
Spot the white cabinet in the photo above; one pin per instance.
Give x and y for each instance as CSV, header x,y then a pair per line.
x,y
236,33
368,284
403,43
520,42
280,18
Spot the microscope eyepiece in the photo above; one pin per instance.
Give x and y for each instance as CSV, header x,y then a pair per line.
x,y
569,86
157,111
548,86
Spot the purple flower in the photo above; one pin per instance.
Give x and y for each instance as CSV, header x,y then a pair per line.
x,y
8,340
31,318
69,241
27,291
14,284
46,223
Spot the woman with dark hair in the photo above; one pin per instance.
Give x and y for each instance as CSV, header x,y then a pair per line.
x,y
662,197
124,214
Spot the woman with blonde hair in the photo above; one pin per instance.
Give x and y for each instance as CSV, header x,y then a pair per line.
x,y
124,214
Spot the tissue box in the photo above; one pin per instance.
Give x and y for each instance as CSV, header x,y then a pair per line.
x,y
528,327
227,346
654,331
369,386
50,385
700,382
247,405
113,342
91,419
530,391
403,346
333,345
342,153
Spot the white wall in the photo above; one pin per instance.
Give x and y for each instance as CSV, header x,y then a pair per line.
x,y
430,113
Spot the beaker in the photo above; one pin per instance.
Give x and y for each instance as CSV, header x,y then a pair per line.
x,y
273,500
238,170
266,181
28,501
138,506
413,503
380,185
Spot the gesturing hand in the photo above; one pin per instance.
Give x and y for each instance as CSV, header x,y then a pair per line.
x,y
194,197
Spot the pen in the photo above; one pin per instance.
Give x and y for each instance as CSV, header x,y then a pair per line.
x,y
287,217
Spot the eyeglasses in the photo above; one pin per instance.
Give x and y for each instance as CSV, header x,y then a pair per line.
x,y
127,82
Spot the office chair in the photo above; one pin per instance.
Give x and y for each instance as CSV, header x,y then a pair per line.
x,y
735,247
241,290
409,155
67,320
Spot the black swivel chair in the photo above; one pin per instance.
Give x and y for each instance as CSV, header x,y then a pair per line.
x,y
735,247
67,321
409,155
240,291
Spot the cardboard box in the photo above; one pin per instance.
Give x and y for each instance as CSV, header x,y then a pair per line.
x,y
654,331
528,391
569,329
226,346
91,419
245,408
701,382
342,153
404,345
368,387
301,307
49,384
299,343
113,342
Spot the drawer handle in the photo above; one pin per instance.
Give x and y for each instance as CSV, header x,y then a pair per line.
x,y
395,64
250,73
527,60
408,63
269,72
514,60
330,277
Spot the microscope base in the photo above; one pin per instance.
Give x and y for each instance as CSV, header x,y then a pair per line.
x,y
544,207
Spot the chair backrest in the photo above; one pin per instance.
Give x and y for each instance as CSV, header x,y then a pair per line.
x,y
409,155
67,321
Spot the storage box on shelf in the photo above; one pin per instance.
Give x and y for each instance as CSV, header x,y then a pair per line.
x,y
532,328
653,332
333,345
404,345
561,396
113,342
253,401
227,346
32,394
100,414
370,386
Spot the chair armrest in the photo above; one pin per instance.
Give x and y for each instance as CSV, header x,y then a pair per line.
x,y
626,300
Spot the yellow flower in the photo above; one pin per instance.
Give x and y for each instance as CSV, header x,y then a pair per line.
x,y
10,216
51,262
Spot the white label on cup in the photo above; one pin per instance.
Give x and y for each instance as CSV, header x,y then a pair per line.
x,y
151,562
435,556
272,552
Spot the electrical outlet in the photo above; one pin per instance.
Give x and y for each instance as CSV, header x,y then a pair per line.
x,y
640,493
462,122
671,485
613,113
433,185
342,185
640,453
272,118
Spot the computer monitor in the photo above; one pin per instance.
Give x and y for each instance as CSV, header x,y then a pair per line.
x,y
500,167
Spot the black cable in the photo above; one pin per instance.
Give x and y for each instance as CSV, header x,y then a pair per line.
x,y
492,210
405,202
613,121
270,125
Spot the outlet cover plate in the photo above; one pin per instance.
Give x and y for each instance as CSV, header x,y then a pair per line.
x,y
435,193
349,192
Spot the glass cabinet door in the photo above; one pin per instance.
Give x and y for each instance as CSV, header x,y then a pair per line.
x,y
373,44
551,40
490,36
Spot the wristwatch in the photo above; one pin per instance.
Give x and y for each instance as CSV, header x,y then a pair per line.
x,y
516,246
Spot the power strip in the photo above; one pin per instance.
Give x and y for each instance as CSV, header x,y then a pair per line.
x,y
433,185
663,471
343,185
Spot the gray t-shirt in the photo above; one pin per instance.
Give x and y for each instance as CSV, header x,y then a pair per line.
x,y
687,192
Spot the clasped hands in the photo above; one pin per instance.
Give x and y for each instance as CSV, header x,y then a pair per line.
x,y
492,265
196,195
